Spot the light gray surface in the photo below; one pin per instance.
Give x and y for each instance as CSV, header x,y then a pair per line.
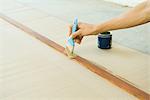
x,y
130,3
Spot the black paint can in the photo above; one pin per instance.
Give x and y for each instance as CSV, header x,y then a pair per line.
x,y
104,40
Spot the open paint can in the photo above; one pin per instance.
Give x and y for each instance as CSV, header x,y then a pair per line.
x,y
104,40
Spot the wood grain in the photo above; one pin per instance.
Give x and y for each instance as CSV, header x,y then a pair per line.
x,y
99,70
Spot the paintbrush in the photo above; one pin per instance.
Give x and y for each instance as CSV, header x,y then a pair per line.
x,y
70,44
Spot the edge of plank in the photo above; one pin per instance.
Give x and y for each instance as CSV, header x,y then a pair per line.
x,y
118,81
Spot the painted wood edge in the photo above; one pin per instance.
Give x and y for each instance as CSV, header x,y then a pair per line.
x,y
133,90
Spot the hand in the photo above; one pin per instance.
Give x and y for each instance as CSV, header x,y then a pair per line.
x,y
84,29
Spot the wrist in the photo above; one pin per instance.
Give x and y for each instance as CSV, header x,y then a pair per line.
x,y
100,28
96,30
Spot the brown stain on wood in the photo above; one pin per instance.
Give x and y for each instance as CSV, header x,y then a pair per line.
x,y
133,90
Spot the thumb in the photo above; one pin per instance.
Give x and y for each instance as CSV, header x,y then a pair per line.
x,y
76,34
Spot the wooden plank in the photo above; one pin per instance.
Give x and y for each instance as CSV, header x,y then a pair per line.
x,y
99,70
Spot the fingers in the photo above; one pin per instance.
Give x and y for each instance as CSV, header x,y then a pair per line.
x,y
78,39
76,34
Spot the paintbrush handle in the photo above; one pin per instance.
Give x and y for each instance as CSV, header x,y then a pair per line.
x,y
74,29
75,25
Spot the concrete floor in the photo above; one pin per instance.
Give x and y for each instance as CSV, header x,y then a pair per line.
x,y
30,70
50,18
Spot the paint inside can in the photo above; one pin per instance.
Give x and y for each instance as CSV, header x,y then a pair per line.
x,y
104,40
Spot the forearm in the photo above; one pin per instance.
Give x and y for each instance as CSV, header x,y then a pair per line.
x,y
136,16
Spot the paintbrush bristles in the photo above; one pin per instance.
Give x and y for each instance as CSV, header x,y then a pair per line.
x,y
69,53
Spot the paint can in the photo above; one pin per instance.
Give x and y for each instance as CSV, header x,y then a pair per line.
x,y
104,40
